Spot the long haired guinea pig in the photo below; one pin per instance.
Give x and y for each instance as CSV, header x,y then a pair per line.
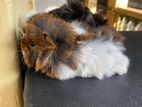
x,y
46,41
63,51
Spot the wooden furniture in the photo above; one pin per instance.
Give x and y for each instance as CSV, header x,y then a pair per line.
x,y
119,11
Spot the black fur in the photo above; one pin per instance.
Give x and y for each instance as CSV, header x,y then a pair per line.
x,y
77,10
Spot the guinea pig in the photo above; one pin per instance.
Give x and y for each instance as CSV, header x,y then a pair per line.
x,y
63,50
43,46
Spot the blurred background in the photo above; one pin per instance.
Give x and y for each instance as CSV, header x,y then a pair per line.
x,y
123,15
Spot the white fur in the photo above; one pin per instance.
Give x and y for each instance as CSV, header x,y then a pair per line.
x,y
77,27
102,59
64,72
99,58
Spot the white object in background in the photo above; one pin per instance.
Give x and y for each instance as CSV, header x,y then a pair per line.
x,y
30,14
139,27
114,25
121,3
130,26
41,5
123,24
92,4
50,8
60,2
118,24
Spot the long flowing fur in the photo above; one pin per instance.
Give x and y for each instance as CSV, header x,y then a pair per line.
x,y
101,57
62,49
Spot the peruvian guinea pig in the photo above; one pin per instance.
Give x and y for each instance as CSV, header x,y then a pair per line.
x,y
65,50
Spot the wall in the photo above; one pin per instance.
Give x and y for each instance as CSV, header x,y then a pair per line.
x,y
41,5
10,83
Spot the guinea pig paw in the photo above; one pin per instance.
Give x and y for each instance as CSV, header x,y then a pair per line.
x,y
52,74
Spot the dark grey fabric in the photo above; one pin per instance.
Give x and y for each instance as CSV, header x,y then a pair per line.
x,y
117,91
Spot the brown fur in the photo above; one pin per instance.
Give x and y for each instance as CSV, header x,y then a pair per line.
x,y
109,32
58,43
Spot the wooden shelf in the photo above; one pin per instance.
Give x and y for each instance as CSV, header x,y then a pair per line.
x,y
132,12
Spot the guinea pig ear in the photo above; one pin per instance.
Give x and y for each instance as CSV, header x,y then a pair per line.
x,y
44,35
50,42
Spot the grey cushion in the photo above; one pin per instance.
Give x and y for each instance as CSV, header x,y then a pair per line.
x,y
117,91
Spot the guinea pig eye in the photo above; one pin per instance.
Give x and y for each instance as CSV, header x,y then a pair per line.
x,y
32,43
